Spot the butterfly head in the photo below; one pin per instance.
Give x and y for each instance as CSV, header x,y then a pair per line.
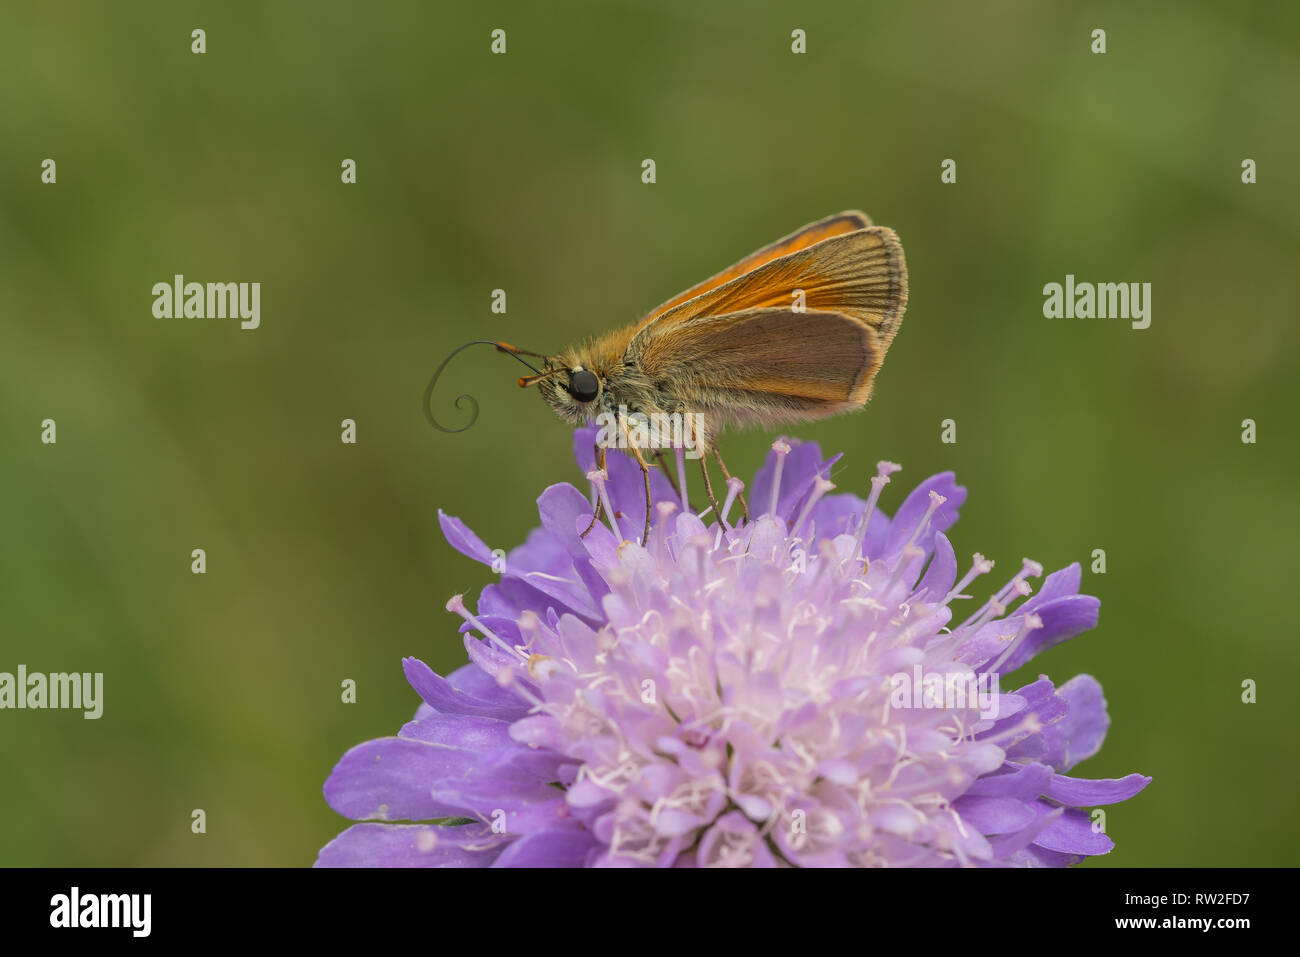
x,y
570,386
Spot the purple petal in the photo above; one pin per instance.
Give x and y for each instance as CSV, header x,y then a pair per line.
x,y
541,552
1063,618
1072,833
1040,698
410,845
1013,847
459,731
914,508
1079,734
584,447
1084,792
561,508
443,696
877,537
388,779
795,495
544,563
1034,856
837,515
1058,584
942,573
473,681
538,596
518,762
559,847
487,657
510,596
1025,783
527,806
1030,748
736,825
994,815
462,539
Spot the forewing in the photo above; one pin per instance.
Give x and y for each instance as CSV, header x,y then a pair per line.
x,y
846,222
861,274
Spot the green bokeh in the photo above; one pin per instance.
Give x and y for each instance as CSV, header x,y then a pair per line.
x,y
522,171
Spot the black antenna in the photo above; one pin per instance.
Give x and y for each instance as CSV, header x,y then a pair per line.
x,y
473,403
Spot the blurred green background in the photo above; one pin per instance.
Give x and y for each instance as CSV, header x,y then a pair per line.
x,y
522,172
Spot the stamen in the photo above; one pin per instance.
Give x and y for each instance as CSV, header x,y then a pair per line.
x,y
542,667
919,627
936,501
665,510
979,566
529,629
782,449
878,483
910,553
734,487
1031,623
1017,584
507,678
821,486
456,605
598,477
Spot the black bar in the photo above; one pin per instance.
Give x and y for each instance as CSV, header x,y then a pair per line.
x,y
965,908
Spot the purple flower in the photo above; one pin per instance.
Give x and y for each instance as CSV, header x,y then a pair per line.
x,y
793,690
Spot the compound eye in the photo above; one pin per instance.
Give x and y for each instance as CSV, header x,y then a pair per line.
x,y
583,385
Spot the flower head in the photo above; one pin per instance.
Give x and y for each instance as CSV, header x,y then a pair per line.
x,y
798,689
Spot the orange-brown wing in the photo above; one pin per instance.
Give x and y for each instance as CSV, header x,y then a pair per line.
x,y
861,274
764,365
845,222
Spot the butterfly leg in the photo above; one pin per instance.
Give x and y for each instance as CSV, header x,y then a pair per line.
x,y
645,474
600,505
744,508
708,488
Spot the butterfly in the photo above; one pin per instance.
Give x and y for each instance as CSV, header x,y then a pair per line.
x,y
791,333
